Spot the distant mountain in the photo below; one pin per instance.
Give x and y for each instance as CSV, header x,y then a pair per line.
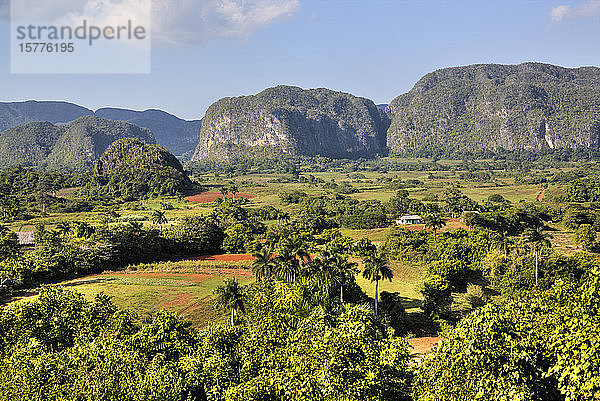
x,y
18,113
74,145
291,120
489,107
177,135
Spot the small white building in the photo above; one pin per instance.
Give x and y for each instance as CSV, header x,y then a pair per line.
x,y
26,239
409,219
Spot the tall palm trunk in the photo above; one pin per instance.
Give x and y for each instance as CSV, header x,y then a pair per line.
x,y
376,295
536,267
342,293
232,316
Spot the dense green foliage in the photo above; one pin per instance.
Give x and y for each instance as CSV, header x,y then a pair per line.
x,y
494,107
130,169
286,346
539,347
26,192
75,145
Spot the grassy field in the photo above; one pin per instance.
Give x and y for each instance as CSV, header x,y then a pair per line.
x,y
407,282
189,294
187,287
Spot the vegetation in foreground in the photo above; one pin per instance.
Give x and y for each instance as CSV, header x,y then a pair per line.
x,y
510,285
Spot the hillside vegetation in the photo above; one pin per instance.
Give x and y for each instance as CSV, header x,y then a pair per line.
x,y
18,113
294,121
177,135
491,107
130,169
75,145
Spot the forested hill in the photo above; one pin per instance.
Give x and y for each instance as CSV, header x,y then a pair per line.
x,y
177,135
489,107
75,145
290,120
131,169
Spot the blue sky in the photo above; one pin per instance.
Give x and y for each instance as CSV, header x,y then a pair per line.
x,y
372,48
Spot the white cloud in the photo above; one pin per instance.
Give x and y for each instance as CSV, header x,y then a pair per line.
x,y
190,22
559,12
591,8
174,22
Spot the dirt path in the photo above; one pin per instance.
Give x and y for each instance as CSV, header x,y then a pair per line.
x,y
540,197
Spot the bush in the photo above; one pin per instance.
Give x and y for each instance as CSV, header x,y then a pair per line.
x,y
392,309
438,296
585,236
474,298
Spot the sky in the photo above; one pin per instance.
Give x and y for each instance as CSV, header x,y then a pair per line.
x,y
203,50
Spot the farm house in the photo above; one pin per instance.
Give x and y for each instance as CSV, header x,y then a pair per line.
x,y
409,219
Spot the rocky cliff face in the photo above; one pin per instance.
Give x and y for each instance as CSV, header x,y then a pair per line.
x,y
489,107
290,120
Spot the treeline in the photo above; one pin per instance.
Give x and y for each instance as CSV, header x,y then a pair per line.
x,y
26,193
544,156
79,248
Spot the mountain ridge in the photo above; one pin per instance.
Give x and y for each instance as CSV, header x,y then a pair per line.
x,y
74,145
295,121
176,134
529,106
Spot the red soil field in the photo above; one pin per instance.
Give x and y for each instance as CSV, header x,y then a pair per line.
x,y
207,197
180,300
422,344
225,258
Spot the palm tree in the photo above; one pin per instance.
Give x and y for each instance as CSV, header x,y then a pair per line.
x,y
324,277
64,228
332,269
538,240
291,258
263,264
159,218
283,217
376,269
233,189
288,267
434,222
223,191
136,226
83,230
230,295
